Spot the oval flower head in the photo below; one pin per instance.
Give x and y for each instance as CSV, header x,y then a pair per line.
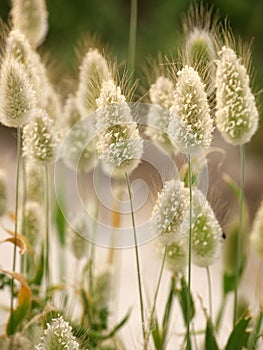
x,y
71,111
17,98
94,70
161,96
58,335
236,111
170,211
30,17
256,236
206,232
119,144
176,255
40,139
191,125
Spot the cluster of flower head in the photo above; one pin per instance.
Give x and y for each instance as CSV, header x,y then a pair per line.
x,y
119,144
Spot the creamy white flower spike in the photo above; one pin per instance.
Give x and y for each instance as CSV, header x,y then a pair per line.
x,y
191,125
161,97
119,144
34,182
17,98
94,70
40,139
32,223
170,211
206,232
58,335
30,17
71,111
3,193
236,111
256,235
176,256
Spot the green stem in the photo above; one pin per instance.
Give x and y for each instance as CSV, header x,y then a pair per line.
x,y
239,241
210,293
16,226
220,313
47,275
24,259
155,299
188,338
133,32
137,257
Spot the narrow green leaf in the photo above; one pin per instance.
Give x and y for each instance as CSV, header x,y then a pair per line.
x,y
157,336
60,220
182,294
238,339
210,341
255,334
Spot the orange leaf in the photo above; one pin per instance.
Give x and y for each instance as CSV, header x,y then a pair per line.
x,y
19,242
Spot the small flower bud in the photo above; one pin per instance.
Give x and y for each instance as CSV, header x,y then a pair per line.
x,y
191,125
17,98
236,111
30,17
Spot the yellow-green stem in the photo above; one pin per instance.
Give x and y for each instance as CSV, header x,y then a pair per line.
x,y
188,337
137,257
239,240
16,226
133,33
47,275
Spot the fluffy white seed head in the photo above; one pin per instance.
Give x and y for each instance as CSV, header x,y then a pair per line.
x,y
71,111
3,193
94,70
161,97
32,223
17,98
119,144
34,182
206,232
30,17
176,256
53,107
191,125
256,235
78,229
169,211
40,139
236,111
58,335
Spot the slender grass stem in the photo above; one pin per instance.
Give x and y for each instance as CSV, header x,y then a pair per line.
x,y
24,259
137,257
220,313
47,274
188,338
155,299
210,296
133,33
239,240
16,227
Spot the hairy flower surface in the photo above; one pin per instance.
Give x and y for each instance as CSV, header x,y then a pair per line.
x,y
176,256
78,229
32,223
3,193
58,336
40,139
119,144
30,17
94,70
34,182
236,111
206,232
17,98
256,235
161,96
191,125
170,211
71,111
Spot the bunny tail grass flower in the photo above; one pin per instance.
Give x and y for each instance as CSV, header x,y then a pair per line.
x,y
236,111
256,236
30,17
161,96
191,125
71,111
78,229
17,98
34,182
119,144
176,255
94,70
58,336
32,223
40,139
3,193
19,342
206,232
170,211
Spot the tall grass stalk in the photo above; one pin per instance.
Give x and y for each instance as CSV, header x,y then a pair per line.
x,y
210,294
137,257
16,227
47,218
239,240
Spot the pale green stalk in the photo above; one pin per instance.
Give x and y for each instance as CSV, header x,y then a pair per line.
x,y
137,257
239,241
16,226
188,338
133,33
220,312
47,246
24,260
210,298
